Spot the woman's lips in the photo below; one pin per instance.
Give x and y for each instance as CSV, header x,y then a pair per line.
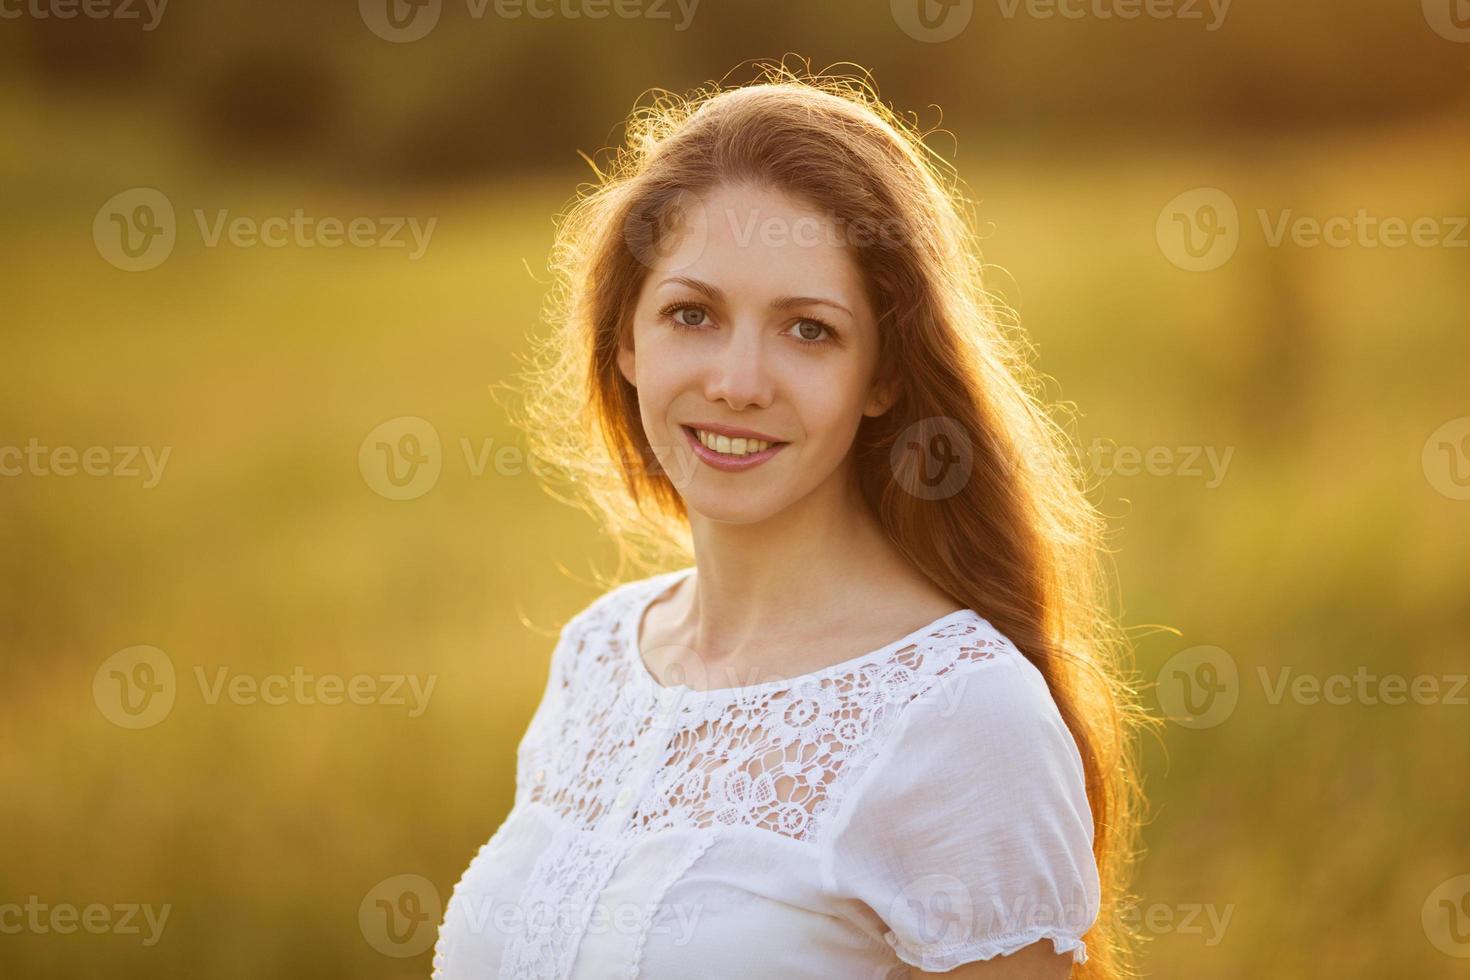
x,y
729,464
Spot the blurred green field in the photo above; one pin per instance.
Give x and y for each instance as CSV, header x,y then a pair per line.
x,y
1320,828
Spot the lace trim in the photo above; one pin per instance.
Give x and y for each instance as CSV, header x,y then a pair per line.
x,y
941,959
767,756
560,894
615,756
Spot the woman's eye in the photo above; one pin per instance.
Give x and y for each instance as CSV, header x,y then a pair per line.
x,y
811,331
683,313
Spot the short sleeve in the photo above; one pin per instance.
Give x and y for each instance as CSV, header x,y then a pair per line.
x,y
969,835
537,750
582,630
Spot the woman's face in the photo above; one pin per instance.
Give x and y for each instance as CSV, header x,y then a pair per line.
x,y
753,317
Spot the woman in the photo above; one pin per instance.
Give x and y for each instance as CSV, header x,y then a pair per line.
x,y
877,727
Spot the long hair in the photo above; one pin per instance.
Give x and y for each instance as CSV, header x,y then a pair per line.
x,y
1016,539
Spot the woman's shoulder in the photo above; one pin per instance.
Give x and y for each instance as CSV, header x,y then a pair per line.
x,y
985,689
604,614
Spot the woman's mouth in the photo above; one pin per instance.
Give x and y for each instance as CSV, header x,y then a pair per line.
x,y
730,455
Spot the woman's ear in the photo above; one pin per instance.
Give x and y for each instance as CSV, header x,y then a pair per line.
x,y
881,396
626,361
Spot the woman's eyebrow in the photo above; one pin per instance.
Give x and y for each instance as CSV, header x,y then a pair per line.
x,y
780,303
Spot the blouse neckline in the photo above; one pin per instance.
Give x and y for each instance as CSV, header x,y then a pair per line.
x,y
661,585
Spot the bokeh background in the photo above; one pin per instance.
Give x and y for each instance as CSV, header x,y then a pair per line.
x,y
1282,424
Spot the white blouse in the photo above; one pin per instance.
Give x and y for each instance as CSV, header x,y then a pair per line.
x,y
922,803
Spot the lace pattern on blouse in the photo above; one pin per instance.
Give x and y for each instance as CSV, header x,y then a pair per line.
x,y
771,757
766,756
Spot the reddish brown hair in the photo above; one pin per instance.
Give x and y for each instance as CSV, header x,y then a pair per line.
x,y
1018,541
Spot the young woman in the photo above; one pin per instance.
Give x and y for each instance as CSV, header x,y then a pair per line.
x,y
878,726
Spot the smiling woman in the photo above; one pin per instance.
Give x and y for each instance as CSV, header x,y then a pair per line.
x,y
879,722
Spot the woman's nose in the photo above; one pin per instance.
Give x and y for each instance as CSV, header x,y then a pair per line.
x,y
740,374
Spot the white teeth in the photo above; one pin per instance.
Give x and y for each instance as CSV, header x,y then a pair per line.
x,y
731,447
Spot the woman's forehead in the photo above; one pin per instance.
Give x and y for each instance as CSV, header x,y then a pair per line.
x,y
756,243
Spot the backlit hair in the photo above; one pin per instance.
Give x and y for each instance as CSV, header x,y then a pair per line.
x,y
1018,541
